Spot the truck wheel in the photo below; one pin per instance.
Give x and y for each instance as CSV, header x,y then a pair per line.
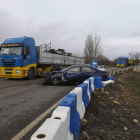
x,y
55,81
51,69
31,74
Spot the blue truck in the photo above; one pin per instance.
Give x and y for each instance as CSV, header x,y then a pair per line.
x,y
122,62
20,57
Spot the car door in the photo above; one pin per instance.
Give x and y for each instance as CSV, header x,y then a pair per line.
x,y
86,72
72,75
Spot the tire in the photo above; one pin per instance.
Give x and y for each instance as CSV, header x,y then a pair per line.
x,y
77,83
51,69
31,74
55,81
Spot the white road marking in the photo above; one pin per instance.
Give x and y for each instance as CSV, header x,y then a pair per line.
x,y
36,121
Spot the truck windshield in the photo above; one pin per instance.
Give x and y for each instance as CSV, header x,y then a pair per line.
x,y
121,60
11,50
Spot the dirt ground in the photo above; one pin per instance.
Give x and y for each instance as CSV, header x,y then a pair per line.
x,y
114,114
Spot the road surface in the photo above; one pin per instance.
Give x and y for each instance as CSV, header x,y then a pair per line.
x,y
22,101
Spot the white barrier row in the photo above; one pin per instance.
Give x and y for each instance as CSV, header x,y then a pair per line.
x,y
63,125
114,71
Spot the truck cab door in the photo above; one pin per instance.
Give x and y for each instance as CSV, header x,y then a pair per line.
x,y
27,56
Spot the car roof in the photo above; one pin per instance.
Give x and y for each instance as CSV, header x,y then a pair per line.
x,y
84,66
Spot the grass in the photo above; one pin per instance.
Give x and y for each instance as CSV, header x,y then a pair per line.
x,y
108,102
135,87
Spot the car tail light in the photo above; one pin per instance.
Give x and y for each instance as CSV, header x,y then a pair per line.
x,y
105,74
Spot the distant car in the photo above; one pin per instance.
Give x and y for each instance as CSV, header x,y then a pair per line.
x,y
74,74
101,67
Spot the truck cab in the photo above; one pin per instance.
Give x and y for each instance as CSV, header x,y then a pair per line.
x,y
122,62
18,58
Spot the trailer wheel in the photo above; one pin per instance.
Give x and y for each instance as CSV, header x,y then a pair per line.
x,y
31,74
55,81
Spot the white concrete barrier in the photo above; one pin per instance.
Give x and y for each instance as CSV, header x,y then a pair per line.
x,y
109,74
92,83
113,73
123,70
63,113
55,128
80,103
107,82
87,82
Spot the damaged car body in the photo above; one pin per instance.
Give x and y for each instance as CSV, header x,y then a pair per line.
x,y
74,75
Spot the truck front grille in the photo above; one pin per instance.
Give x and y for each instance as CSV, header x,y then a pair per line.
x,y
8,71
8,63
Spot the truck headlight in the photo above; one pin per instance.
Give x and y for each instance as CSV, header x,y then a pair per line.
x,y
17,71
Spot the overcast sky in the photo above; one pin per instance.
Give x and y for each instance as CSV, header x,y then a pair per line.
x,y
66,23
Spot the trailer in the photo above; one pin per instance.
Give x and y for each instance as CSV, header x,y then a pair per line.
x,y
19,57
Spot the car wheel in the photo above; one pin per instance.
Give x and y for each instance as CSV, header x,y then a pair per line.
x,y
31,74
55,81
77,83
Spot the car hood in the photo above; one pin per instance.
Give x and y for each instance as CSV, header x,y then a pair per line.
x,y
53,73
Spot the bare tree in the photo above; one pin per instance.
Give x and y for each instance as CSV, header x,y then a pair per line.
x,y
97,45
136,56
89,49
102,60
131,55
92,48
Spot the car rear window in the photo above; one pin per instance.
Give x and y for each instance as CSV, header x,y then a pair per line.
x,y
87,69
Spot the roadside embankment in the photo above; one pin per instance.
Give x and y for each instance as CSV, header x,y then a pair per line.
x,y
114,113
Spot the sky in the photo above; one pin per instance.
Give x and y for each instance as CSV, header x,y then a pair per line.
x,y
66,23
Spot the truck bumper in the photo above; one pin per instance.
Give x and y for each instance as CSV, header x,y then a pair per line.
x,y
12,72
120,65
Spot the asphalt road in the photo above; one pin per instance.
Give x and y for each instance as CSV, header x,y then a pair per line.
x,y
111,68
22,101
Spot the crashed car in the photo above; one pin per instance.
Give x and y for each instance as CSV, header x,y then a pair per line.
x,y
75,74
